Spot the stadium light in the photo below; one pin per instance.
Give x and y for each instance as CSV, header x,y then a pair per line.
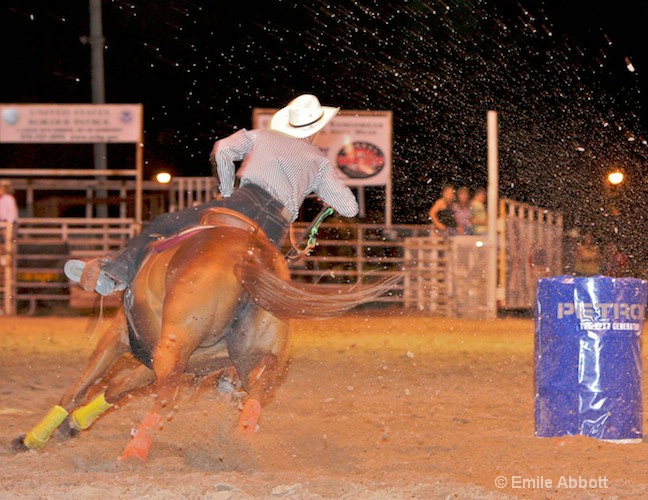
x,y
615,178
163,177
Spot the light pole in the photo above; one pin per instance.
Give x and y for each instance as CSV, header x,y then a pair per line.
x,y
97,42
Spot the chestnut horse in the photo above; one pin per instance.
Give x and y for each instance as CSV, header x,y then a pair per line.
x,y
215,299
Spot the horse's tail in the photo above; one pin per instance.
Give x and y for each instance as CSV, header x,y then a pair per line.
x,y
285,299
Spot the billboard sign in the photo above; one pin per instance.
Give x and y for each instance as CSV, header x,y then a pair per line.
x,y
357,143
70,123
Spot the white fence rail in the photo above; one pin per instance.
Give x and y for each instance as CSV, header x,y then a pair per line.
x,y
445,277
43,245
356,254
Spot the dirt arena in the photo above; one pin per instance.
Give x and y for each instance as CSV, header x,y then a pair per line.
x,y
374,406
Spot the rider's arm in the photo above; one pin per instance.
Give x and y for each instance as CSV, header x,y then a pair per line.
x,y
225,152
335,193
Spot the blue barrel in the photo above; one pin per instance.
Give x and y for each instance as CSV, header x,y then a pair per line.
x,y
588,357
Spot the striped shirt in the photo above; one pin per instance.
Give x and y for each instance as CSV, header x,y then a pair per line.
x,y
288,168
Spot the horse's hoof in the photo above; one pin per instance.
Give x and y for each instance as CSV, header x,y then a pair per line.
x,y
18,444
140,444
249,419
238,396
225,386
138,448
130,453
67,432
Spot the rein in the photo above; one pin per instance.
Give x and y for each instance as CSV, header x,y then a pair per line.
x,y
311,232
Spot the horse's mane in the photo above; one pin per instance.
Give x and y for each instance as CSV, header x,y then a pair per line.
x,y
285,299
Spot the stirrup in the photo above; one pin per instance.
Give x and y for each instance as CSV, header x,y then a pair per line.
x,y
90,273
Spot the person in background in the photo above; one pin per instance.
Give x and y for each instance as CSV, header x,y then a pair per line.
x,y
8,206
588,257
478,214
279,168
441,213
461,210
616,263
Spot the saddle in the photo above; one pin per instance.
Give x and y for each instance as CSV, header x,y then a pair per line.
x,y
221,216
214,217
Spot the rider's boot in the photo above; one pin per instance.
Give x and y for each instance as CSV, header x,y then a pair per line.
x,y
91,276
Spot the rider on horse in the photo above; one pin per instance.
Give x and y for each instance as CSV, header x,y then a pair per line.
x,y
280,167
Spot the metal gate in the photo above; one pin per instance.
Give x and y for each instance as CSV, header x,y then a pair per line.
x,y
531,243
469,270
446,276
427,282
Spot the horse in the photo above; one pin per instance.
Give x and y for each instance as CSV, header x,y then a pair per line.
x,y
213,301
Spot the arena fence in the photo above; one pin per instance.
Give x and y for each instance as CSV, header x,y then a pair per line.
x,y
41,197
531,247
359,254
448,276
437,276
44,244
427,280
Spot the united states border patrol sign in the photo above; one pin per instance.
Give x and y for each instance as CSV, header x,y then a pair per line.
x,y
70,123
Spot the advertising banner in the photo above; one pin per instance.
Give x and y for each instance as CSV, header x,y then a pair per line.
x,y
357,143
70,123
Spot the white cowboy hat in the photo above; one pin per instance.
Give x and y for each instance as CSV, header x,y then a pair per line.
x,y
303,116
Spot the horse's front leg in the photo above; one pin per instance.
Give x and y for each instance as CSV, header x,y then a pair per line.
x,y
112,344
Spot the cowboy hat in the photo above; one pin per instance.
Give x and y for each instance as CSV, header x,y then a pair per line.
x,y
303,116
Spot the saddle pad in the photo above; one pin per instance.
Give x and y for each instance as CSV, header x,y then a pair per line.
x,y
165,243
216,217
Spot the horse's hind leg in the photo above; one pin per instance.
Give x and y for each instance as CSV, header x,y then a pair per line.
x,y
258,349
112,344
178,341
259,382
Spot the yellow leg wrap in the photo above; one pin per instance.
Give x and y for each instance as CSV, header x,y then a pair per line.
x,y
39,435
83,417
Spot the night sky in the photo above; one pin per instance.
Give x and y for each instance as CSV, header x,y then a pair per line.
x,y
557,72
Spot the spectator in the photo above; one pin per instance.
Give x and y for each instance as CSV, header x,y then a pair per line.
x,y
441,213
461,210
8,206
478,214
588,257
616,264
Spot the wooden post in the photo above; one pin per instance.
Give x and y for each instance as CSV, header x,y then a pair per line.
x,y
493,182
